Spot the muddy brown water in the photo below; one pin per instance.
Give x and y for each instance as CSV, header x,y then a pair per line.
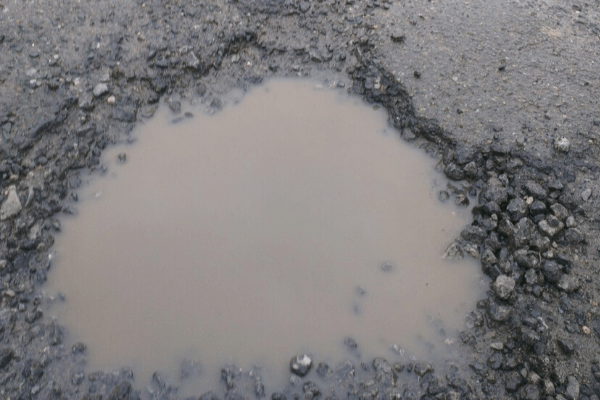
x,y
258,233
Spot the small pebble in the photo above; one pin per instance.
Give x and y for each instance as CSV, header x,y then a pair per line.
x,y
111,100
586,194
562,144
497,346
100,89
586,330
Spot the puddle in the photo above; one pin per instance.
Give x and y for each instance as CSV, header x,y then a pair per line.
x,y
259,233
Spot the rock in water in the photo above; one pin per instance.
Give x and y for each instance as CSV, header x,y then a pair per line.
x,y
300,365
11,206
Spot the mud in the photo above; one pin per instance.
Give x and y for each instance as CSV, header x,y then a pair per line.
x,y
502,94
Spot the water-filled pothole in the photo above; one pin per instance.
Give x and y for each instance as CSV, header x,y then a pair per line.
x,y
283,224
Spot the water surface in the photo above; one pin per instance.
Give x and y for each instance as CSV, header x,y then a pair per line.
x,y
260,232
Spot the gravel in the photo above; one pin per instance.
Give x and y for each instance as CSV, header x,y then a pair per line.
x,y
502,94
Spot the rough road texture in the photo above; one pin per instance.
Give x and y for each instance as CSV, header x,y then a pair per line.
x,y
505,93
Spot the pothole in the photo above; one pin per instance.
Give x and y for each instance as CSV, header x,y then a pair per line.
x,y
293,222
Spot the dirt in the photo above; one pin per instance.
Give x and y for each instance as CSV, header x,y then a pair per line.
x,y
505,95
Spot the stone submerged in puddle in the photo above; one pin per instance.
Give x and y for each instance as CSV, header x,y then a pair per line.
x,y
300,365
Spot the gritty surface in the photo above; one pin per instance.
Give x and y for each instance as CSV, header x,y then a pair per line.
x,y
505,93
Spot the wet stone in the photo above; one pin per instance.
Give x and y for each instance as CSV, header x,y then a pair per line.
x,y
504,286
514,381
569,283
421,368
551,271
491,208
586,194
563,259
573,236
386,267
454,172
536,190
493,242
517,209
559,211
471,169
531,392
540,243
497,346
100,89
6,355
537,207
175,106
228,377
499,313
495,192
531,277
311,390
501,148
548,387
488,257
77,378
408,134
398,37
555,184
11,206
86,102
551,226
495,361
562,144
383,372
471,249
300,365
461,200
566,346
523,232
124,114
572,388
324,371
474,234
121,391
346,370
350,343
